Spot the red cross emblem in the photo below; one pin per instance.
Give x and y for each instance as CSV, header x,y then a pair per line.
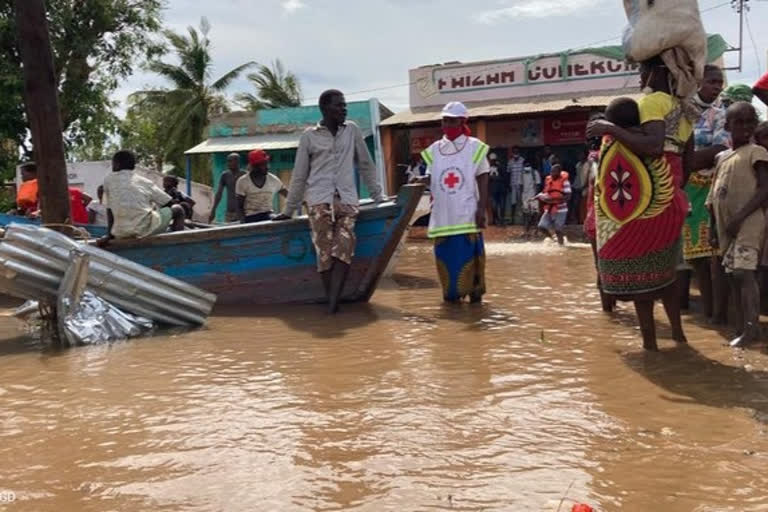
x,y
451,180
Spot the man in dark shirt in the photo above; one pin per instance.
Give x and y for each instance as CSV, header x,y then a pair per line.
x,y
228,181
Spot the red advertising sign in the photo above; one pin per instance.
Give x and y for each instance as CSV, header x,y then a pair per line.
x,y
565,129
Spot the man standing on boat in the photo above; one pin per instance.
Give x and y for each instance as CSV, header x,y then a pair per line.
x,y
228,182
324,175
457,170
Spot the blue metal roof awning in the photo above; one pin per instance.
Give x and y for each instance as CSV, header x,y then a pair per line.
x,y
239,144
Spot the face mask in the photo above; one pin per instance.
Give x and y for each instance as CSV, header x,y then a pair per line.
x,y
452,133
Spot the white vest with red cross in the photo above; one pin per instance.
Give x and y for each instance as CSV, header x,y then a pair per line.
x,y
453,172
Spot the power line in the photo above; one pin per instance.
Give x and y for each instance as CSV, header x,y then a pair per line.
x,y
754,45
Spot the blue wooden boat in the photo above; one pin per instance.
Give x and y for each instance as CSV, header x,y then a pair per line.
x,y
274,262
93,231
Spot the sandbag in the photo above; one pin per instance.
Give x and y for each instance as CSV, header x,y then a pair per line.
x,y
672,29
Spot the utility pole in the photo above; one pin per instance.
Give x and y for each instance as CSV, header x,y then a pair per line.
x,y
740,6
42,104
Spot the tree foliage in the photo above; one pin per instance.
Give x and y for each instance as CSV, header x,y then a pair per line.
x,y
142,132
275,88
192,97
95,44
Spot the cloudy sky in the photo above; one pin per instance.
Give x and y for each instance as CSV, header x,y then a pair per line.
x,y
366,47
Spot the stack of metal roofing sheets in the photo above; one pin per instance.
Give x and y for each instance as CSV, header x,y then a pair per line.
x,y
33,261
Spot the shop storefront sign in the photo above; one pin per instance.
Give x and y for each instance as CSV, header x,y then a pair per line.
x,y
519,78
565,129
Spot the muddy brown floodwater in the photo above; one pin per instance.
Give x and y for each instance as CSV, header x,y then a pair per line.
x,y
401,404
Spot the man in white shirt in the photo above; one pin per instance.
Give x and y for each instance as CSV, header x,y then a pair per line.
x,y
457,171
256,190
136,207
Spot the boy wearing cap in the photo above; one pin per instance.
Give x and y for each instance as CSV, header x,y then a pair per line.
x,y
227,183
324,175
256,190
458,176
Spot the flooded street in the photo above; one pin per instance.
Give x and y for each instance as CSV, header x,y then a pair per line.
x,y
401,404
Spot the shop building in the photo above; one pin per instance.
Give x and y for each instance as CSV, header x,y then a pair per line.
x,y
529,102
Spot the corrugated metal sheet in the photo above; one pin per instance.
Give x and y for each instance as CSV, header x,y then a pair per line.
x,y
238,144
267,142
508,108
33,261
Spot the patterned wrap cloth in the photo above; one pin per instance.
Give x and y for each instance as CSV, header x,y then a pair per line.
x,y
640,206
709,131
461,265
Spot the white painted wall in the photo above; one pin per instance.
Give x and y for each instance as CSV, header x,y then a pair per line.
x,y
87,176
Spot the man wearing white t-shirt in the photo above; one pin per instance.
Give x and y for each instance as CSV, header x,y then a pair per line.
x,y
457,172
256,190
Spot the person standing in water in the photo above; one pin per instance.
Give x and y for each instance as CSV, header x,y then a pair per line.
x,y
554,198
227,183
515,166
640,206
457,171
710,139
736,202
325,170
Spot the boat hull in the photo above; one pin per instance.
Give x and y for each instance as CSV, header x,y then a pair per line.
x,y
274,262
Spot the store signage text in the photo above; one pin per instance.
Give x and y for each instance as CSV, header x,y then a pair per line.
x,y
514,73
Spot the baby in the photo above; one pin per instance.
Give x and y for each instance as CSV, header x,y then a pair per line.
x,y
623,112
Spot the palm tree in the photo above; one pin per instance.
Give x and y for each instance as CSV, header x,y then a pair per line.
x,y
275,88
193,97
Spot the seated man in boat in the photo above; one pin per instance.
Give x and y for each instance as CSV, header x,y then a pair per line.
x,y
171,187
256,190
136,207
325,172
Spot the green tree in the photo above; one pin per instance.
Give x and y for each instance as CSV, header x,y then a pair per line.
x,y
143,132
275,88
95,44
193,97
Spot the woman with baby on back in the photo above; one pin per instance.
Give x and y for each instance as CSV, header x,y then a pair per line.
x,y
640,206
